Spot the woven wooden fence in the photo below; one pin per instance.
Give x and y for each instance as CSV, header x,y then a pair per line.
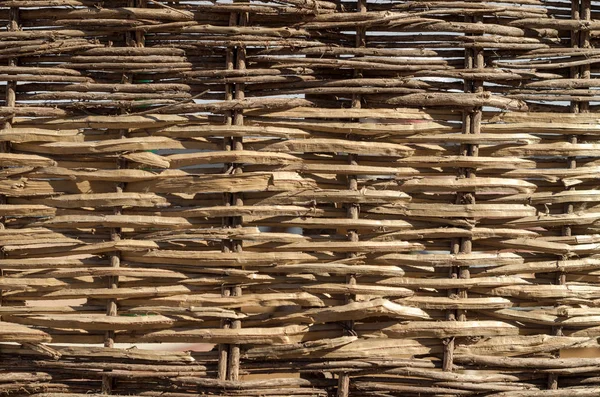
x,y
386,198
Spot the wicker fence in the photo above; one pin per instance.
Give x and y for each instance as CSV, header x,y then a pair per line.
x,y
355,198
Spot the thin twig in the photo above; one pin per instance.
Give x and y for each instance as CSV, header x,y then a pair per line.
x,y
171,104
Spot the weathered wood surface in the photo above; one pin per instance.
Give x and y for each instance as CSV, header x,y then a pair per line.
x,y
389,198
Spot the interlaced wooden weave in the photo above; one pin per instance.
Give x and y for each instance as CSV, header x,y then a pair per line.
x,y
355,198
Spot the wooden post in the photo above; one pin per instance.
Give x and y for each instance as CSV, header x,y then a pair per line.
x,y
11,97
353,209
226,246
474,59
229,355
237,199
132,39
580,10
